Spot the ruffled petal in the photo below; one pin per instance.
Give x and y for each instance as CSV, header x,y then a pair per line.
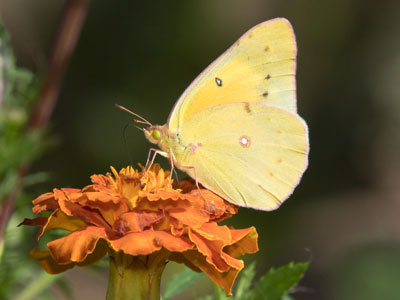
x,y
47,262
136,221
243,241
224,280
76,246
51,266
149,241
60,220
211,249
45,202
140,213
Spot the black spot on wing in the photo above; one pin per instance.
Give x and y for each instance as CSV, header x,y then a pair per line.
x,y
218,81
268,77
265,94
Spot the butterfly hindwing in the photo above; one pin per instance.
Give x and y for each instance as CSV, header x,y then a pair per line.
x,y
254,159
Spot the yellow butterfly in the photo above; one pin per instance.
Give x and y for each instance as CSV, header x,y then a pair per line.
x,y
235,129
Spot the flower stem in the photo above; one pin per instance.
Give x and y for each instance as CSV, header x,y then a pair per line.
x,y
135,277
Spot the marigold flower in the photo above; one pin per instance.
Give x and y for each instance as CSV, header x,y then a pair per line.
x,y
141,214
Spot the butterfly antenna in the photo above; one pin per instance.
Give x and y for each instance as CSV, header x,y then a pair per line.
x,y
140,128
125,141
142,120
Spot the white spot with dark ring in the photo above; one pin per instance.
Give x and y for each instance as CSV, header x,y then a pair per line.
x,y
244,141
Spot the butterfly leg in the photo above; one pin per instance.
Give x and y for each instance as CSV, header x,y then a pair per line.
x,y
173,170
148,155
195,177
156,151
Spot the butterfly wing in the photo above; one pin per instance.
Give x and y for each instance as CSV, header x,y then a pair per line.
x,y
254,159
260,67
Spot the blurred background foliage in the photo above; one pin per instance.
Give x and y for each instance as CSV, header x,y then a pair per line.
x,y
142,55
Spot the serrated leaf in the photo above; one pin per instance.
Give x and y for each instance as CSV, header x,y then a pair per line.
x,y
245,280
180,282
278,282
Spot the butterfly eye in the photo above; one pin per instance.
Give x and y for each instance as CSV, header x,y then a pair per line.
x,y
155,134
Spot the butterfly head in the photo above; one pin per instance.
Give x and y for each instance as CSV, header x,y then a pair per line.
x,y
155,134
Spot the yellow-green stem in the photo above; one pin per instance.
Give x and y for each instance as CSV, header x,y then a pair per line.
x,y
135,277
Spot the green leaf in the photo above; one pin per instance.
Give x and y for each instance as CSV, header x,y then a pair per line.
x,y
278,282
7,182
220,293
206,298
287,297
35,178
244,283
18,86
18,90
180,282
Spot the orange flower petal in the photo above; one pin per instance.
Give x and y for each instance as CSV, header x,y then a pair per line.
x,y
44,202
165,195
108,210
34,222
136,222
224,280
214,205
103,197
87,214
243,241
163,201
76,246
149,241
47,262
140,213
189,216
211,231
212,250
60,220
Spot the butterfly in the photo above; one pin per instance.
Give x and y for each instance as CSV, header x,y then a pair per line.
x,y
235,129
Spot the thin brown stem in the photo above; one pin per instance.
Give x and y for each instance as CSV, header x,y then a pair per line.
x,y
63,46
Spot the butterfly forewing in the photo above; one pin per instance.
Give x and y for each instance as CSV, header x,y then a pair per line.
x,y
260,67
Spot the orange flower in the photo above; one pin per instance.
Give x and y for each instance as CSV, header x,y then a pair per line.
x,y
141,214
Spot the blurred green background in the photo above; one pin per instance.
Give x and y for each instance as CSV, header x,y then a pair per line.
x,y
344,215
